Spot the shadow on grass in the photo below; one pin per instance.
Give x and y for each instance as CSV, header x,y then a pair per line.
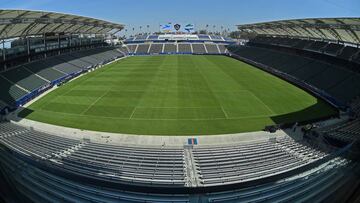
x,y
319,111
23,113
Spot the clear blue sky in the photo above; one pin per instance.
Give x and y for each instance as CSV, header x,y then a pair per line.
x,y
225,13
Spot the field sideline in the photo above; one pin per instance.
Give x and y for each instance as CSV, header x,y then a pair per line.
x,y
176,95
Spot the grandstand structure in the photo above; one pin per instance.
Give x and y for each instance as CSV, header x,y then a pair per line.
x,y
42,49
50,49
178,44
320,55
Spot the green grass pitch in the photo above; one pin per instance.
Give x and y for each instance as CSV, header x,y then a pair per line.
x,y
176,95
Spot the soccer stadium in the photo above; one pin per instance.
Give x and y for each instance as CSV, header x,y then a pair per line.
x,y
92,110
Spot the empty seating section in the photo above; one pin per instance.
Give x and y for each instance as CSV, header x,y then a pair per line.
x,y
184,48
132,47
216,37
18,82
347,132
156,48
198,48
180,48
330,78
44,69
169,48
24,78
34,143
66,68
316,46
204,37
8,129
222,49
74,61
129,39
355,106
10,92
142,49
356,57
292,190
141,37
348,52
173,37
212,48
2,105
240,163
153,37
43,186
130,164
329,48
333,49
162,165
165,166
301,44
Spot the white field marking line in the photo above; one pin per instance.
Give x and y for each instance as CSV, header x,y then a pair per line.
x,y
67,91
132,113
160,119
226,115
80,83
262,102
80,76
210,90
92,104
145,92
141,91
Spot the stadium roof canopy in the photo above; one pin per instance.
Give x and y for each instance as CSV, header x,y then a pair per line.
x,y
20,23
333,29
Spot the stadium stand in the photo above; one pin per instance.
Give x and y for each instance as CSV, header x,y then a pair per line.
x,y
330,78
355,106
204,37
231,164
142,49
54,167
184,48
44,69
347,52
216,37
223,49
24,78
11,92
140,37
132,48
332,49
169,48
164,167
156,48
178,44
20,81
212,48
316,46
199,48
310,185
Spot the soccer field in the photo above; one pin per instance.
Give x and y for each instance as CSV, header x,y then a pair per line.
x,y
176,95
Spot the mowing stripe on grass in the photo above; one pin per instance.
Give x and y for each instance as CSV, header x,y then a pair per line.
x,y
176,95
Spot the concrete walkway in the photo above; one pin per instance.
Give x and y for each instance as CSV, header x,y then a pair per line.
x,y
141,140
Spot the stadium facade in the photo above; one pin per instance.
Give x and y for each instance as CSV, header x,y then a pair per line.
x,y
321,56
